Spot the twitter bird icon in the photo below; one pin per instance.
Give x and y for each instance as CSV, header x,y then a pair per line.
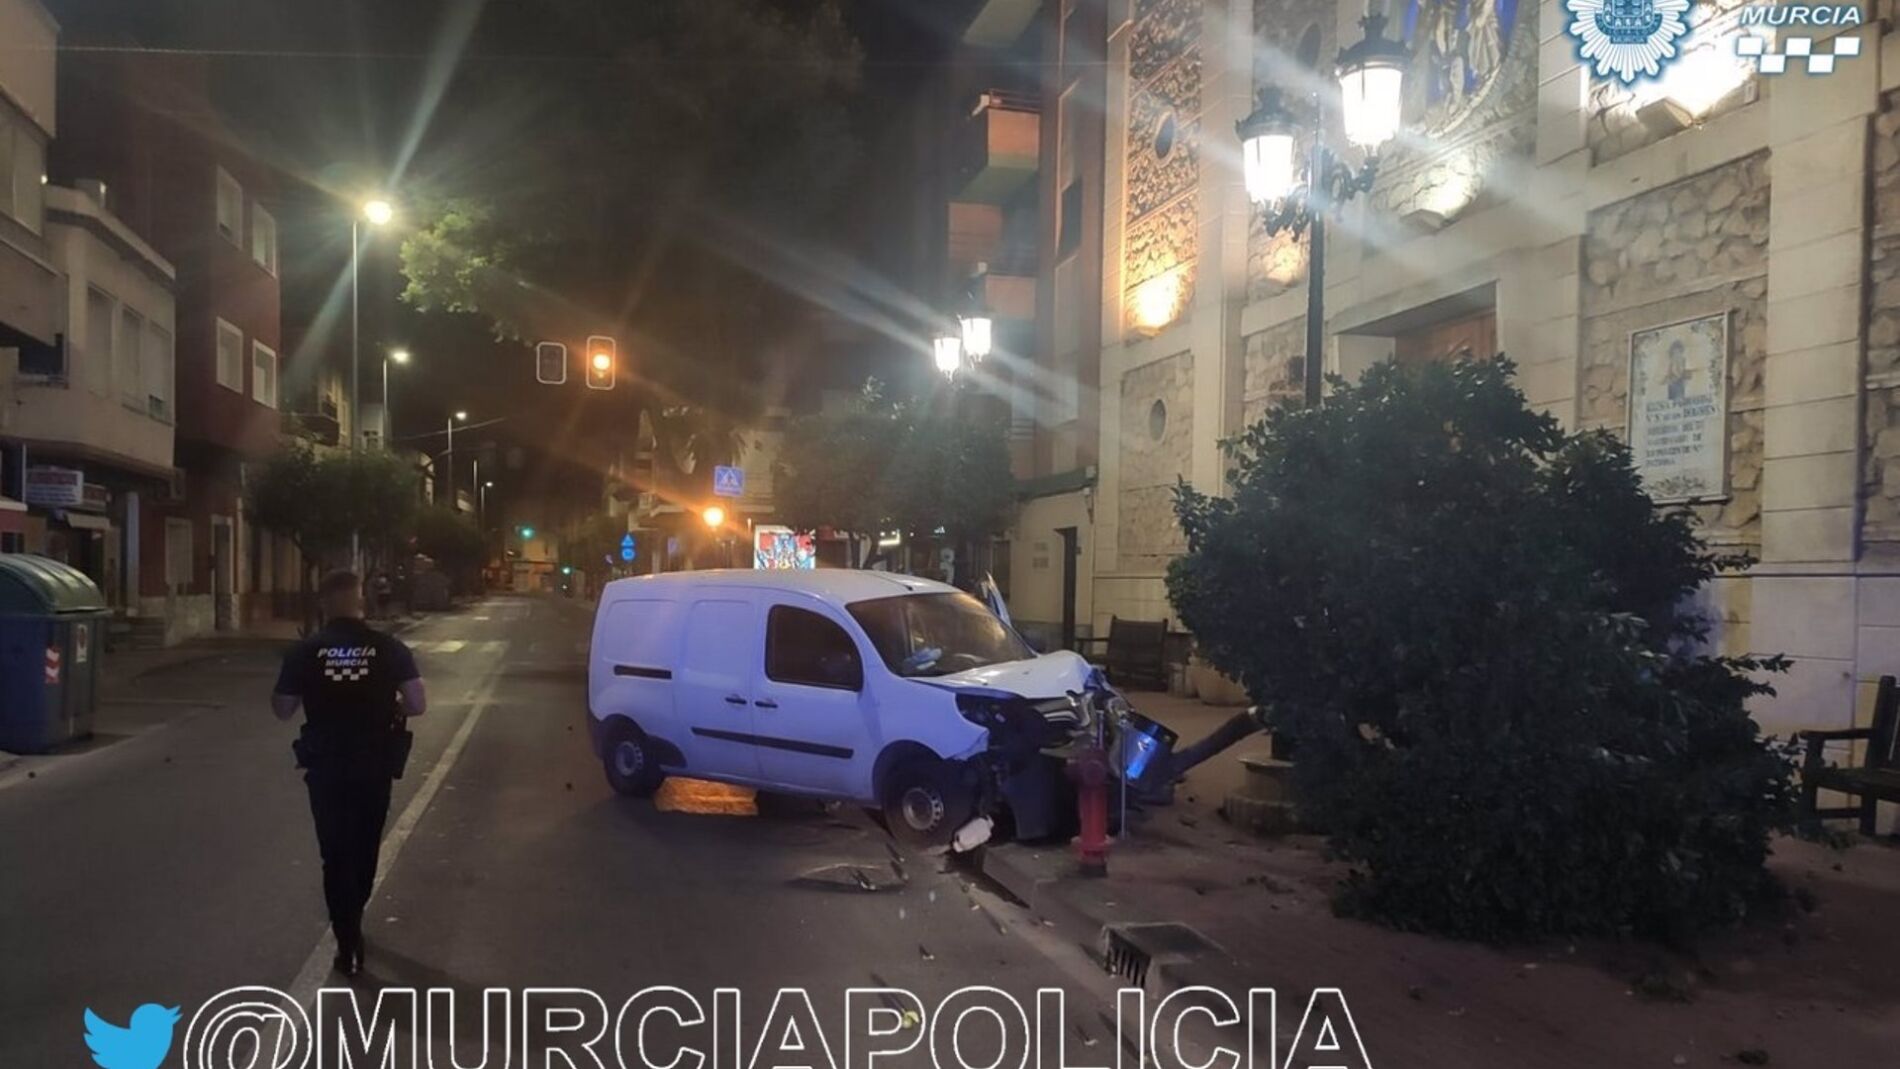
x,y
142,1044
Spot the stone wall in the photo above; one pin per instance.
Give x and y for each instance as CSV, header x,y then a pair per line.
x,y
1465,151
1163,149
1273,368
1880,457
1693,248
1147,534
1614,130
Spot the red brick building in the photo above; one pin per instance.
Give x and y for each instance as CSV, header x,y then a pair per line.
x,y
178,176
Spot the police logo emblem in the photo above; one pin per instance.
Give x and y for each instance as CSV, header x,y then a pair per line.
x,y
1628,39
346,664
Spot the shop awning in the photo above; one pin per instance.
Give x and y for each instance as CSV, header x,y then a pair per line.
x,y
86,521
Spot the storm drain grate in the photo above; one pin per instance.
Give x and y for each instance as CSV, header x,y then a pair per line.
x,y
1129,951
1126,960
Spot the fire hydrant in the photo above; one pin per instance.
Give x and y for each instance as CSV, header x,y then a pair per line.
x,y
1088,767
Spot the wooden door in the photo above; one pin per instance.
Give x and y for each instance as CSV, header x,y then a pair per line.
x,y
1474,337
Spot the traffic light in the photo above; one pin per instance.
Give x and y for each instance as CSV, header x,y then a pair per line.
x,y
550,363
527,532
600,362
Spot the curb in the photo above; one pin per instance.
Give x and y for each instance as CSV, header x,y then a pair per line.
x,y
1040,881
1085,910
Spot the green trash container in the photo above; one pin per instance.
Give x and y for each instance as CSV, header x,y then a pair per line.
x,y
52,634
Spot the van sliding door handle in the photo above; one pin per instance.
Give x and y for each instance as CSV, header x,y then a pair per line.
x,y
734,699
766,703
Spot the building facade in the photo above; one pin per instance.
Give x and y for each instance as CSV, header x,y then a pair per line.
x,y
1728,234
31,326
95,417
144,128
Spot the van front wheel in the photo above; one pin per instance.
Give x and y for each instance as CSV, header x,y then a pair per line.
x,y
633,769
925,801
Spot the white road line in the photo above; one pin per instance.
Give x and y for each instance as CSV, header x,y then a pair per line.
x,y
316,968
495,647
449,645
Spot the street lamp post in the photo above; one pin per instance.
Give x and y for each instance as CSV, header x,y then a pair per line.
x,y
377,212
462,415
1371,83
400,356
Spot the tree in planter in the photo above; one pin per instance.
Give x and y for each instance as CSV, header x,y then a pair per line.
x,y
880,466
454,541
318,500
1475,631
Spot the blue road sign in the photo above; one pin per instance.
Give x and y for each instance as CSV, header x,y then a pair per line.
x,y
627,548
729,482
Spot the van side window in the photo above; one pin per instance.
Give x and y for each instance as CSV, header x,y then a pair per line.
x,y
810,650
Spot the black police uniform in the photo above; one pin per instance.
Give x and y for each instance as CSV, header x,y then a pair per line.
x,y
348,674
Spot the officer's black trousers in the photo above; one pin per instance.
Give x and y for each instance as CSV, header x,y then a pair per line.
x,y
350,812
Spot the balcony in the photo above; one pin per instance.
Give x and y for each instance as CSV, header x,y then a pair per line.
x,y
1010,296
1000,22
996,147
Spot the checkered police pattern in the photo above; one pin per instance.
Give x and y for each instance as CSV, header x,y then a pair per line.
x,y
1753,46
346,664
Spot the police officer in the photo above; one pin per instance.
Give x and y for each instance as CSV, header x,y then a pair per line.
x,y
356,685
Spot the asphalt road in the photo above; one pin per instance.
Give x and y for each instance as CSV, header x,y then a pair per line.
x,y
179,862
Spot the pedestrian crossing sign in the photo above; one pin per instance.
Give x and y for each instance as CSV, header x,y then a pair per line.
x,y
627,548
729,481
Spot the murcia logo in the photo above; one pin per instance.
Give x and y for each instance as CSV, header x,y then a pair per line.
x,y
346,664
1774,60
1628,39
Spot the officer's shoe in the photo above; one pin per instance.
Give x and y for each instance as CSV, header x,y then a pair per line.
x,y
349,954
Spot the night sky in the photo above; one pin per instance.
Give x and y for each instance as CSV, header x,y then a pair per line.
x,y
344,94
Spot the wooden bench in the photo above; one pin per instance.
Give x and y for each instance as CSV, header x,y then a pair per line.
x,y
1137,652
1876,779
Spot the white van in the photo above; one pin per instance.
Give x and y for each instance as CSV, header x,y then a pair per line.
x,y
870,687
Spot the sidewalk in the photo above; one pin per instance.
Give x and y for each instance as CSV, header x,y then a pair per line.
x,y
122,668
1816,989
125,707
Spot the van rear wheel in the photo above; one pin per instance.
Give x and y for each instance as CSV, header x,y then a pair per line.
x,y
633,769
925,801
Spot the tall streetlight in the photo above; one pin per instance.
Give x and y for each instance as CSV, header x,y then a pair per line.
x,y
460,415
376,212
398,356
1371,95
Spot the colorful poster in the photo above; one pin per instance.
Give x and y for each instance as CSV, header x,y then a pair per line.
x,y
783,548
1678,409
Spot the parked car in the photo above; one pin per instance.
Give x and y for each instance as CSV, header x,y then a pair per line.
x,y
890,691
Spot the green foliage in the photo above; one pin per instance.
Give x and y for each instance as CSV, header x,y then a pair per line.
x,y
318,499
881,466
451,538
652,189
1477,633
461,262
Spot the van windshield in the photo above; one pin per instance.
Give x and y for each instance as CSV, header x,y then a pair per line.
x,y
937,634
